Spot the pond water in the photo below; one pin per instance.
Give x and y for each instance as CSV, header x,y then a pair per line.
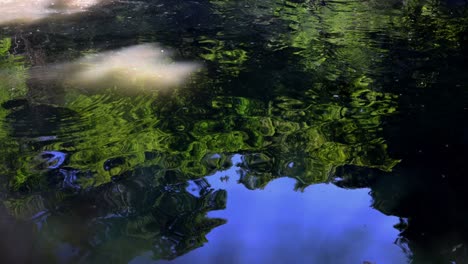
x,y
214,131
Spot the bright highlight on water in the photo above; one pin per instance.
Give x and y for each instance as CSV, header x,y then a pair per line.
x,y
27,11
145,66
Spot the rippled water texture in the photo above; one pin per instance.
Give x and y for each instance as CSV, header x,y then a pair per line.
x,y
214,131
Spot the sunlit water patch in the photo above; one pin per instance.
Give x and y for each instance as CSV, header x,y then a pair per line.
x,y
28,11
130,69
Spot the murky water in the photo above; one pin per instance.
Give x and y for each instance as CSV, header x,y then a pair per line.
x,y
233,131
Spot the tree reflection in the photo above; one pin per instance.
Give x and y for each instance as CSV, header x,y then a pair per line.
x,y
135,215
428,188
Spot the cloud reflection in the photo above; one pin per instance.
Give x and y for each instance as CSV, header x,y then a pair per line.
x,y
323,224
145,66
27,11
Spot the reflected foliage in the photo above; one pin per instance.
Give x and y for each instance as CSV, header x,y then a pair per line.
x,y
135,216
13,74
427,189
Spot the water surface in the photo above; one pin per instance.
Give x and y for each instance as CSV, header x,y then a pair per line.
x,y
233,131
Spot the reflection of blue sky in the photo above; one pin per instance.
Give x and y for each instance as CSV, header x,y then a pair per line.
x,y
324,224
